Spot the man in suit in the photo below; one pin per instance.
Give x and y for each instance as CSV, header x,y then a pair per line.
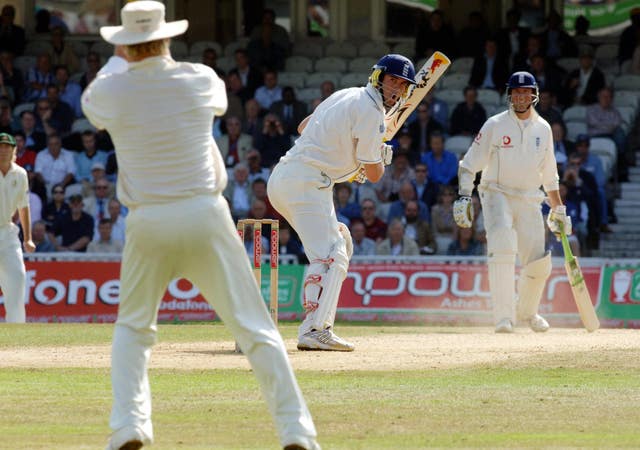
x,y
490,70
291,110
234,145
582,84
512,39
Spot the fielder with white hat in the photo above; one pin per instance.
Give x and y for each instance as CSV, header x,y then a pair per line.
x,y
159,114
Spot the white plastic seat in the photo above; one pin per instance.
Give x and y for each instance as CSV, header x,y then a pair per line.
x,y
605,148
568,64
226,63
362,64
18,109
577,113
37,47
626,98
331,64
81,125
353,79
341,49
24,63
488,97
405,49
312,49
606,53
294,79
317,78
298,64
308,94
451,96
231,47
200,46
627,82
628,114
574,129
373,48
461,65
458,144
455,81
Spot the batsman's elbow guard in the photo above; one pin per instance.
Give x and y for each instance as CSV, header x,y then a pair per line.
x,y
463,212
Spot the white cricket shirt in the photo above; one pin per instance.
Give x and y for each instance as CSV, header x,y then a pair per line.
x,y
159,114
515,157
14,194
344,131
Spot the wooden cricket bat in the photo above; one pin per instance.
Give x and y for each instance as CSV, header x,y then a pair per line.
x,y
425,80
579,287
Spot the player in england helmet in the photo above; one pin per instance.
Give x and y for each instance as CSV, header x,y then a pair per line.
x,y
391,77
521,81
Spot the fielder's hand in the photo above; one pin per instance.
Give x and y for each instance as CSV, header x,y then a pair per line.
x,y
558,221
463,212
387,153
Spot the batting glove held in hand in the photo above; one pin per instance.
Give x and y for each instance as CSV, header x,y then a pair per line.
x,y
387,154
463,211
558,221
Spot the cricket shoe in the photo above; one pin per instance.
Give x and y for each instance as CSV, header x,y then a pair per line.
x,y
538,324
324,340
127,439
504,326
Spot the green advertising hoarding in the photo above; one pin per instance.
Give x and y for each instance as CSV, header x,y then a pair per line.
x,y
290,278
620,296
605,17
428,5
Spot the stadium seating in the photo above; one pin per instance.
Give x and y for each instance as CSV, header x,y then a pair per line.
x,y
179,49
606,54
102,48
80,125
231,47
308,94
331,64
24,63
489,97
293,79
341,49
461,65
37,47
605,148
574,129
311,49
568,64
406,49
80,48
353,79
373,48
454,81
458,144
298,63
577,113
18,109
315,79
226,63
200,46
627,82
362,64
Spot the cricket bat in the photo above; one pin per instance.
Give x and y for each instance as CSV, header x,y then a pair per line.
x,y
579,287
425,80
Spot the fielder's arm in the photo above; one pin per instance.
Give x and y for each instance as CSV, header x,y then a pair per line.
x,y
25,221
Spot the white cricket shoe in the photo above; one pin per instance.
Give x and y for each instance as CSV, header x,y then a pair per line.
x,y
324,340
504,326
538,324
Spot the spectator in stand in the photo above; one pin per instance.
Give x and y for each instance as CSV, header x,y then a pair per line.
x,y
55,165
405,195
72,232
250,77
35,139
236,98
425,188
442,221
105,242
40,238
63,54
235,88
290,109
577,237
490,70
422,128
98,172
89,156
11,77
418,229
582,37
256,170
270,91
472,37
435,35
547,76
279,34
629,37
12,37
397,174
210,58
396,243
604,120
57,207
464,243
234,145
93,66
69,91
252,124
468,116
38,78
523,61
556,42
97,204
342,203
62,114
35,204
6,116
561,146
546,107
238,192
273,142
582,84
362,245
327,88
259,192
512,39
404,144
592,164
442,164
265,53
44,117
375,228
25,157
438,110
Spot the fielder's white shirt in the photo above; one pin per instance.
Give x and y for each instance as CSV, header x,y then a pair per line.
x,y
515,157
344,131
159,114
14,194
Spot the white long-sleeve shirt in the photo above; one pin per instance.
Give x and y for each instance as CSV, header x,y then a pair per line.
x,y
515,156
159,114
343,132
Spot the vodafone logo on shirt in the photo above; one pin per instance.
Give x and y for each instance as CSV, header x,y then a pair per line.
x,y
506,142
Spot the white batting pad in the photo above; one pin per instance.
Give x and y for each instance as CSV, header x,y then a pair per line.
x,y
533,277
502,285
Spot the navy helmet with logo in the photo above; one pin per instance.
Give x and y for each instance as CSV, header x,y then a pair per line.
x,y
523,79
396,65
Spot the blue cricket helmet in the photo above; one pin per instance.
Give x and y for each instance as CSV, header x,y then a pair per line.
x,y
396,65
523,79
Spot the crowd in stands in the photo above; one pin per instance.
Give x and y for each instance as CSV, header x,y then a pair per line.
x,y
72,167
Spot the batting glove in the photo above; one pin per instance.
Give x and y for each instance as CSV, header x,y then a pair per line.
x,y
387,153
558,221
463,211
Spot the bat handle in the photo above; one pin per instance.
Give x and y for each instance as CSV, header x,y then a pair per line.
x,y
568,254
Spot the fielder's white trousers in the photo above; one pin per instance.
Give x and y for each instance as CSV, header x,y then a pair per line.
x,y
196,239
12,274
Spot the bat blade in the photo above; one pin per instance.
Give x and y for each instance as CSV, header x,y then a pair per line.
x,y
425,79
579,288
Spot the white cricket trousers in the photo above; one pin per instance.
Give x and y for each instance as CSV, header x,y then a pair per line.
x,y
196,239
12,274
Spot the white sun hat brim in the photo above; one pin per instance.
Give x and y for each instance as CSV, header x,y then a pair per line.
x,y
119,36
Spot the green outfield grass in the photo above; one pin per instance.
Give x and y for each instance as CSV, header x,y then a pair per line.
x,y
580,404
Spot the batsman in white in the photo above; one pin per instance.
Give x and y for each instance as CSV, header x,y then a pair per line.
x,y
514,151
14,195
159,114
340,141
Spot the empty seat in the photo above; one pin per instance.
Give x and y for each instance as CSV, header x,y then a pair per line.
x,y
18,109
454,81
628,82
317,78
312,49
605,148
458,144
331,64
231,47
628,114
298,64
405,49
342,49
362,64
577,113
24,63
226,63
568,64
293,79
488,97
353,79
626,98
451,96
606,53
373,48
574,129
81,125
80,48
179,49
462,65
200,46
308,94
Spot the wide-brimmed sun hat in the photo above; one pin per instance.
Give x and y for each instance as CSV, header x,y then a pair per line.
x,y
142,21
